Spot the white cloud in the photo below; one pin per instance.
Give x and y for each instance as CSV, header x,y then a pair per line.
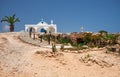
x,y
22,31
6,28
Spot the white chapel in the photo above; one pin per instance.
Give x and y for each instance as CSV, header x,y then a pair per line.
x,y
42,27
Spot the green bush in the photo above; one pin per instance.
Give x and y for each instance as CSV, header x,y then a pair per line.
x,y
63,41
45,37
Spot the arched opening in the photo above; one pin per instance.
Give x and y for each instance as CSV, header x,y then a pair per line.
x,y
31,29
27,30
51,29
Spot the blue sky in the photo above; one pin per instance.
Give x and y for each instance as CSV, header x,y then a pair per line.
x,y
69,15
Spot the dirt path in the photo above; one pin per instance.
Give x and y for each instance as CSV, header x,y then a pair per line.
x,y
18,59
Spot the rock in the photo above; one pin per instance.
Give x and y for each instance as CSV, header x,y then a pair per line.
x,y
117,49
89,63
66,50
118,39
85,46
76,51
113,49
80,51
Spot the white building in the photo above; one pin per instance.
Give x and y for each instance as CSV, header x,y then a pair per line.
x,y
42,27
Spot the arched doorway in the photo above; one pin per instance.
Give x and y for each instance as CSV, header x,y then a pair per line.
x,y
42,30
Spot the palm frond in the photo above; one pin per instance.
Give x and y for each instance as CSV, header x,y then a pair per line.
x,y
4,20
17,20
13,16
6,17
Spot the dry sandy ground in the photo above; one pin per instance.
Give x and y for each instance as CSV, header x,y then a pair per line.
x,y
18,59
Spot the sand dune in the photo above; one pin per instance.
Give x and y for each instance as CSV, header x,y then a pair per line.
x,y
19,59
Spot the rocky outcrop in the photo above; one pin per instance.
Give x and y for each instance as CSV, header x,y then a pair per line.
x,y
114,48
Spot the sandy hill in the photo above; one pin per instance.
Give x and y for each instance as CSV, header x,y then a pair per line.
x,y
19,59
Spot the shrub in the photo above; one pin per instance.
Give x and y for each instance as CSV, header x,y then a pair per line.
x,y
87,38
45,37
54,48
63,40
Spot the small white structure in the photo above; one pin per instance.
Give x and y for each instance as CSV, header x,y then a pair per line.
x,y
42,27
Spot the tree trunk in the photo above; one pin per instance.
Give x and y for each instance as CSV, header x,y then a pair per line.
x,y
11,28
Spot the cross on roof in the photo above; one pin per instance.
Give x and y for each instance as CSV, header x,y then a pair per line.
x,y
42,19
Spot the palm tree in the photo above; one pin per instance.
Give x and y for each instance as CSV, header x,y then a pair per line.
x,y
11,20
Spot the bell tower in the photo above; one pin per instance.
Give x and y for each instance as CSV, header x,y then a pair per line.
x,y
51,21
82,29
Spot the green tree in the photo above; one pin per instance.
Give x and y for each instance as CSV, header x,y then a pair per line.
x,y
103,32
11,20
